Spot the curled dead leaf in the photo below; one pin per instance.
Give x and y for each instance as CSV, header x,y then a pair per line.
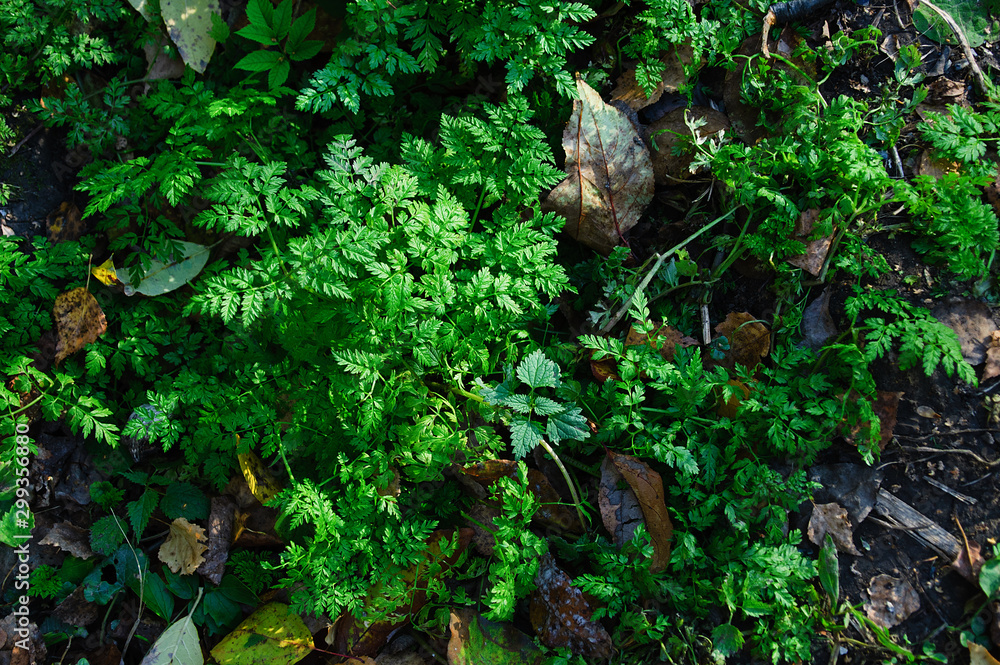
x,y
182,550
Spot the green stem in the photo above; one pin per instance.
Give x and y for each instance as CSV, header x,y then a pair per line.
x,y
569,481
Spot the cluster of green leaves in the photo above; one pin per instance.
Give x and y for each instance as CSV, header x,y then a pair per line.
x,y
815,159
270,25
44,40
660,26
385,42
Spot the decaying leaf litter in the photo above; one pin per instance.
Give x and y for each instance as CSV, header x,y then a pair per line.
x,y
614,173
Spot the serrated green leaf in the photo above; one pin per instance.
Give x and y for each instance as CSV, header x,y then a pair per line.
x,y
519,403
282,18
538,371
727,638
300,29
107,534
279,74
140,510
547,407
308,49
567,425
524,436
259,34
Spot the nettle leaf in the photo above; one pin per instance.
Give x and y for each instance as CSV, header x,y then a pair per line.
x,y
107,534
140,510
524,436
185,500
520,403
568,425
547,407
538,371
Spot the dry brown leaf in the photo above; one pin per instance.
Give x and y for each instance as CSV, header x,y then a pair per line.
x,y
648,488
182,550
969,567
64,223
817,324
70,538
973,322
620,510
604,369
728,408
980,655
992,368
886,405
628,90
890,601
663,338
816,250
76,610
749,340
935,166
561,615
610,174
831,518
670,131
79,321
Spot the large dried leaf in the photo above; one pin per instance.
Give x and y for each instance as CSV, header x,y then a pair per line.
x,y
973,322
648,488
79,321
70,538
182,550
561,615
831,518
890,601
220,535
610,174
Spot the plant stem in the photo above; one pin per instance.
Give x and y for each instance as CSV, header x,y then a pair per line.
x,y
569,481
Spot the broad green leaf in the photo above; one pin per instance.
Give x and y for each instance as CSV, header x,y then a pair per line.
x,y
259,34
16,524
728,639
162,278
189,25
538,371
307,50
524,436
177,645
548,407
279,74
519,403
106,534
272,634
260,12
972,17
989,578
259,61
156,595
301,28
142,6
282,18
140,510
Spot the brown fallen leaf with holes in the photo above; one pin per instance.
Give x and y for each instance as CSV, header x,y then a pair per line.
x,y
182,550
561,615
749,340
831,518
890,601
64,223
609,178
648,488
79,322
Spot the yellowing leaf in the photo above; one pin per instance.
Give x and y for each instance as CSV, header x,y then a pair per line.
x,y
477,641
189,24
610,174
182,550
79,321
105,273
262,482
271,635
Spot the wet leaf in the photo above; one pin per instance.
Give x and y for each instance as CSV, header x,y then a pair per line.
x,y
619,506
273,634
831,518
478,641
561,615
189,24
182,550
610,174
749,340
648,488
890,601
817,324
79,321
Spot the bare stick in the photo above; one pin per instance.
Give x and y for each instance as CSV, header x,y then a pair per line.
x,y
969,55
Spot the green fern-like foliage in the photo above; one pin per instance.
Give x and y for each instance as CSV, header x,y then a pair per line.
x,y
388,40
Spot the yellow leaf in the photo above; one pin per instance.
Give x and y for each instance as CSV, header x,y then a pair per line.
x,y
182,550
262,482
272,635
79,321
106,273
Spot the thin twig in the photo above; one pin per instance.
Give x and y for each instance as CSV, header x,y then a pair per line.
x,y
959,451
569,481
25,140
